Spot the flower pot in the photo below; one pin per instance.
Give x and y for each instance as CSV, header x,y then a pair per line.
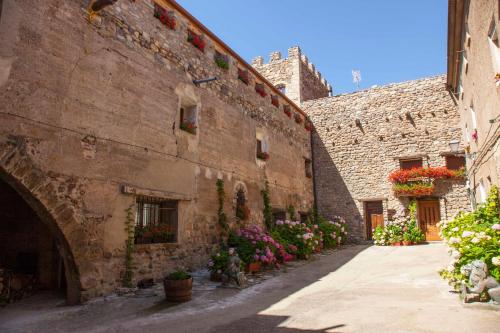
x,y
178,290
396,244
253,267
407,243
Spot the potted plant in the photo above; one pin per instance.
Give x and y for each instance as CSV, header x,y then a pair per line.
x,y
178,286
298,118
275,101
196,40
287,110
221,60
262,155
253,267
167,18
406,239
308,125
260,89
188,126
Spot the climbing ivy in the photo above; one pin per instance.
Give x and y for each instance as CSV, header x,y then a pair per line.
x,y
268,212
129,247
291,213
222,218
412,207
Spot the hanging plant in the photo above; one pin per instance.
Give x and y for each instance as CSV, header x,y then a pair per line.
x,y
167,18
298,118
222,60
275,101
196,40
287,110
243,76
415,189
260,89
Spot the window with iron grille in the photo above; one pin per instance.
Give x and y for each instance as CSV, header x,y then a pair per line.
x,y
156,221
410,164
454,162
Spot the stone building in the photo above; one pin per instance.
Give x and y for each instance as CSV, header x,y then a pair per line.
x,y
361,137
474,81
295,76
104,125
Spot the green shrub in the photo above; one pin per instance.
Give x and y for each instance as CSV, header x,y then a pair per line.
x,y
178,275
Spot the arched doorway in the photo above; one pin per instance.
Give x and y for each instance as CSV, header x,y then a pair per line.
x,y
29,255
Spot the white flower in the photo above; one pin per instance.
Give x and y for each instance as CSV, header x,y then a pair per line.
x,y
467,234
454,240
475,240
454,229
496,226
455,255
495,261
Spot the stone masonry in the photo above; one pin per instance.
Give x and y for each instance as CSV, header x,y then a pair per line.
x,y
352,161
296,74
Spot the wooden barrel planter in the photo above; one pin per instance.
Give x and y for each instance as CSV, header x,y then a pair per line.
x,y
178,290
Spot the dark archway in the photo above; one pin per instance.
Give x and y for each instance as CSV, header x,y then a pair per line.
x,y
18,171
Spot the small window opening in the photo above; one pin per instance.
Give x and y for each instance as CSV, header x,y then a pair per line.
x,y
308,168
188,116
454,162
410,164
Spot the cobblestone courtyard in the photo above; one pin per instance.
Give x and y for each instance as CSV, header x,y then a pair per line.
x,y
355,289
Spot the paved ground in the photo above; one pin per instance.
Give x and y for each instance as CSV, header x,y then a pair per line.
x,y
356,289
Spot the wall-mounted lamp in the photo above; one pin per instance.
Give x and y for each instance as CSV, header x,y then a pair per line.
x,y
454,145
210,79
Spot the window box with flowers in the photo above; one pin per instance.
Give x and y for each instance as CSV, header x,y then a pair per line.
x,y
275,101
196,40
222,60
188,126
167,18
420,181
287,110
260,89
264,156
298,118
243,76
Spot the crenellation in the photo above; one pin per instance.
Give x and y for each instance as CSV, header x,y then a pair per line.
x,y
274,56
258,61
294,52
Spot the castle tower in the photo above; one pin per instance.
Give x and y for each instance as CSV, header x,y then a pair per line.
x,y
295,75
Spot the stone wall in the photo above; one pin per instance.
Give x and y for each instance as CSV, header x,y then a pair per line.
x,y
352,160
300,77
88,108
475,89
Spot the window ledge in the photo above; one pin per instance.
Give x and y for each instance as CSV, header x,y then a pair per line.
x,y
128,189
142,248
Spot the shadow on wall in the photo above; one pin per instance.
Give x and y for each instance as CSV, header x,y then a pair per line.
x,y
332,195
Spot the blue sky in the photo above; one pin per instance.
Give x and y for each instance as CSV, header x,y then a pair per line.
x,y
387,40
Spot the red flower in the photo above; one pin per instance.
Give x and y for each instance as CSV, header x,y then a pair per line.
x,y
196,40
287,110
243,76
260,89
404,176
308,125
166,17
474,135
275,101
263,156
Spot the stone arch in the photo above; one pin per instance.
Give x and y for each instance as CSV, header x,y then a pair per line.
x,y
19,172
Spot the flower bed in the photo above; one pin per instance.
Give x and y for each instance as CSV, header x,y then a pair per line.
x,y
402,229
221,60
243,76
167,18
287,110
298,118
196,40
275,101
260,89
473,236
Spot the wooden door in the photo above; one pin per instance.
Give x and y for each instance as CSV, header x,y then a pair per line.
x,y
428,217
373,216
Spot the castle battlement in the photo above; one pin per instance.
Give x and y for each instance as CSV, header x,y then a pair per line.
x,y
279,70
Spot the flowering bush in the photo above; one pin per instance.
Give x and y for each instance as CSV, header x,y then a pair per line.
x,y
402,228
473,236
299,238
243,76
333,232
196,40
255,245
260,89
218,261
167,18
287,110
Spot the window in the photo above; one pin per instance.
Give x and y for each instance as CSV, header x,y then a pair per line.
x,y
262,149
188,115
410,164
281,88
155,221
303,217
454,162
279,215
308,167
473,115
